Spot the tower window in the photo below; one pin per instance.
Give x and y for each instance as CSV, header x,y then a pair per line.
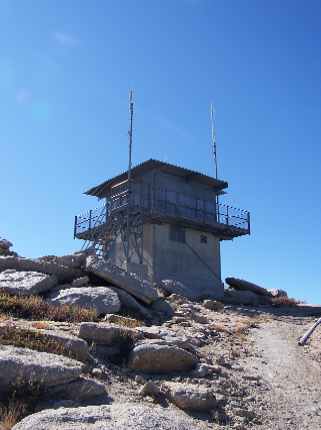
x,y
203,238
177,234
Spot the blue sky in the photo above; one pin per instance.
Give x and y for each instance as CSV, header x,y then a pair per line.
x,y
65,71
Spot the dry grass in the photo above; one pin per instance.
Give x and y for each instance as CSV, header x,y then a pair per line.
x,y
285,301
41,325
124,321
24,338
237,328
35,308
12,413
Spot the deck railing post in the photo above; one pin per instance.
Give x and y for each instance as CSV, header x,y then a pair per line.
x,y
89,225
248,223
75,226
227,215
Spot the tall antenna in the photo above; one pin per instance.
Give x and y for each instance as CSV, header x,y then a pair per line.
x,y
130,141
214,152
213,137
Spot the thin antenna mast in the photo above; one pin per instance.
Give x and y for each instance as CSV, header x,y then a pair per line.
x,y
213,136
214,152
130,141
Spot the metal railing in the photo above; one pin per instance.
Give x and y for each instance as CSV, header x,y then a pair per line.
x,y
90,220
203,212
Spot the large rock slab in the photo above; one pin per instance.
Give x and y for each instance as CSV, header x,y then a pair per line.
x,y
176,287
131,304
157,357
239,297
65,343
102,299
76,260
79,390
19,366
104,333
118,416
241,284
63,273
26,283
142,290
191,397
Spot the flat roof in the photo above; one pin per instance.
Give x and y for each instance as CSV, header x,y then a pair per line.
x,y
102,189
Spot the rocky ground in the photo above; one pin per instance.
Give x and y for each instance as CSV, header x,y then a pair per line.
x,y
147,359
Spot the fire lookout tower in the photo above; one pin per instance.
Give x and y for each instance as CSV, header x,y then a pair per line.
x,y
166,223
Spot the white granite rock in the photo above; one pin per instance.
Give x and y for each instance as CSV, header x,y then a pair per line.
x,y
102,299
26,283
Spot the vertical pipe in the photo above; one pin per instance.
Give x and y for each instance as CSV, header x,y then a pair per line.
x,y
248,223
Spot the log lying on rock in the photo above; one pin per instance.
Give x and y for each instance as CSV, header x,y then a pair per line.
x,y
142,290
303,340
240,284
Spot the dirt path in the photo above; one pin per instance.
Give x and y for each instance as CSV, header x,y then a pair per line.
x,y
290,387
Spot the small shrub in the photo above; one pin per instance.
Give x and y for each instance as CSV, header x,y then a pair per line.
x,y
35,308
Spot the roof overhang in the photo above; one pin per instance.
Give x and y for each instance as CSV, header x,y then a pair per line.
x,y
102,189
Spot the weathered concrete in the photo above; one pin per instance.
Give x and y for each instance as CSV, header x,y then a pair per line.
x,y
26,283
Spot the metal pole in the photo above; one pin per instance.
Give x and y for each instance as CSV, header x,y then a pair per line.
x,y
130,135
214,151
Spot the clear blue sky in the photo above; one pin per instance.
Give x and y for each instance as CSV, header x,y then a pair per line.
x,y
65,71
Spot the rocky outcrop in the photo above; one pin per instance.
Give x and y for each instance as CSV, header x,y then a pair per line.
x,y
65,343
190,397
63,273
22,366
158,357
240,297
80,282
26,283
131,304
176,287
104,333
102,299
276,292
240,284
213,305
79,390
5,246
118,416
142,290
75,261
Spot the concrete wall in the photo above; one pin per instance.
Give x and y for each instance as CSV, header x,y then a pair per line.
x,y
194,263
